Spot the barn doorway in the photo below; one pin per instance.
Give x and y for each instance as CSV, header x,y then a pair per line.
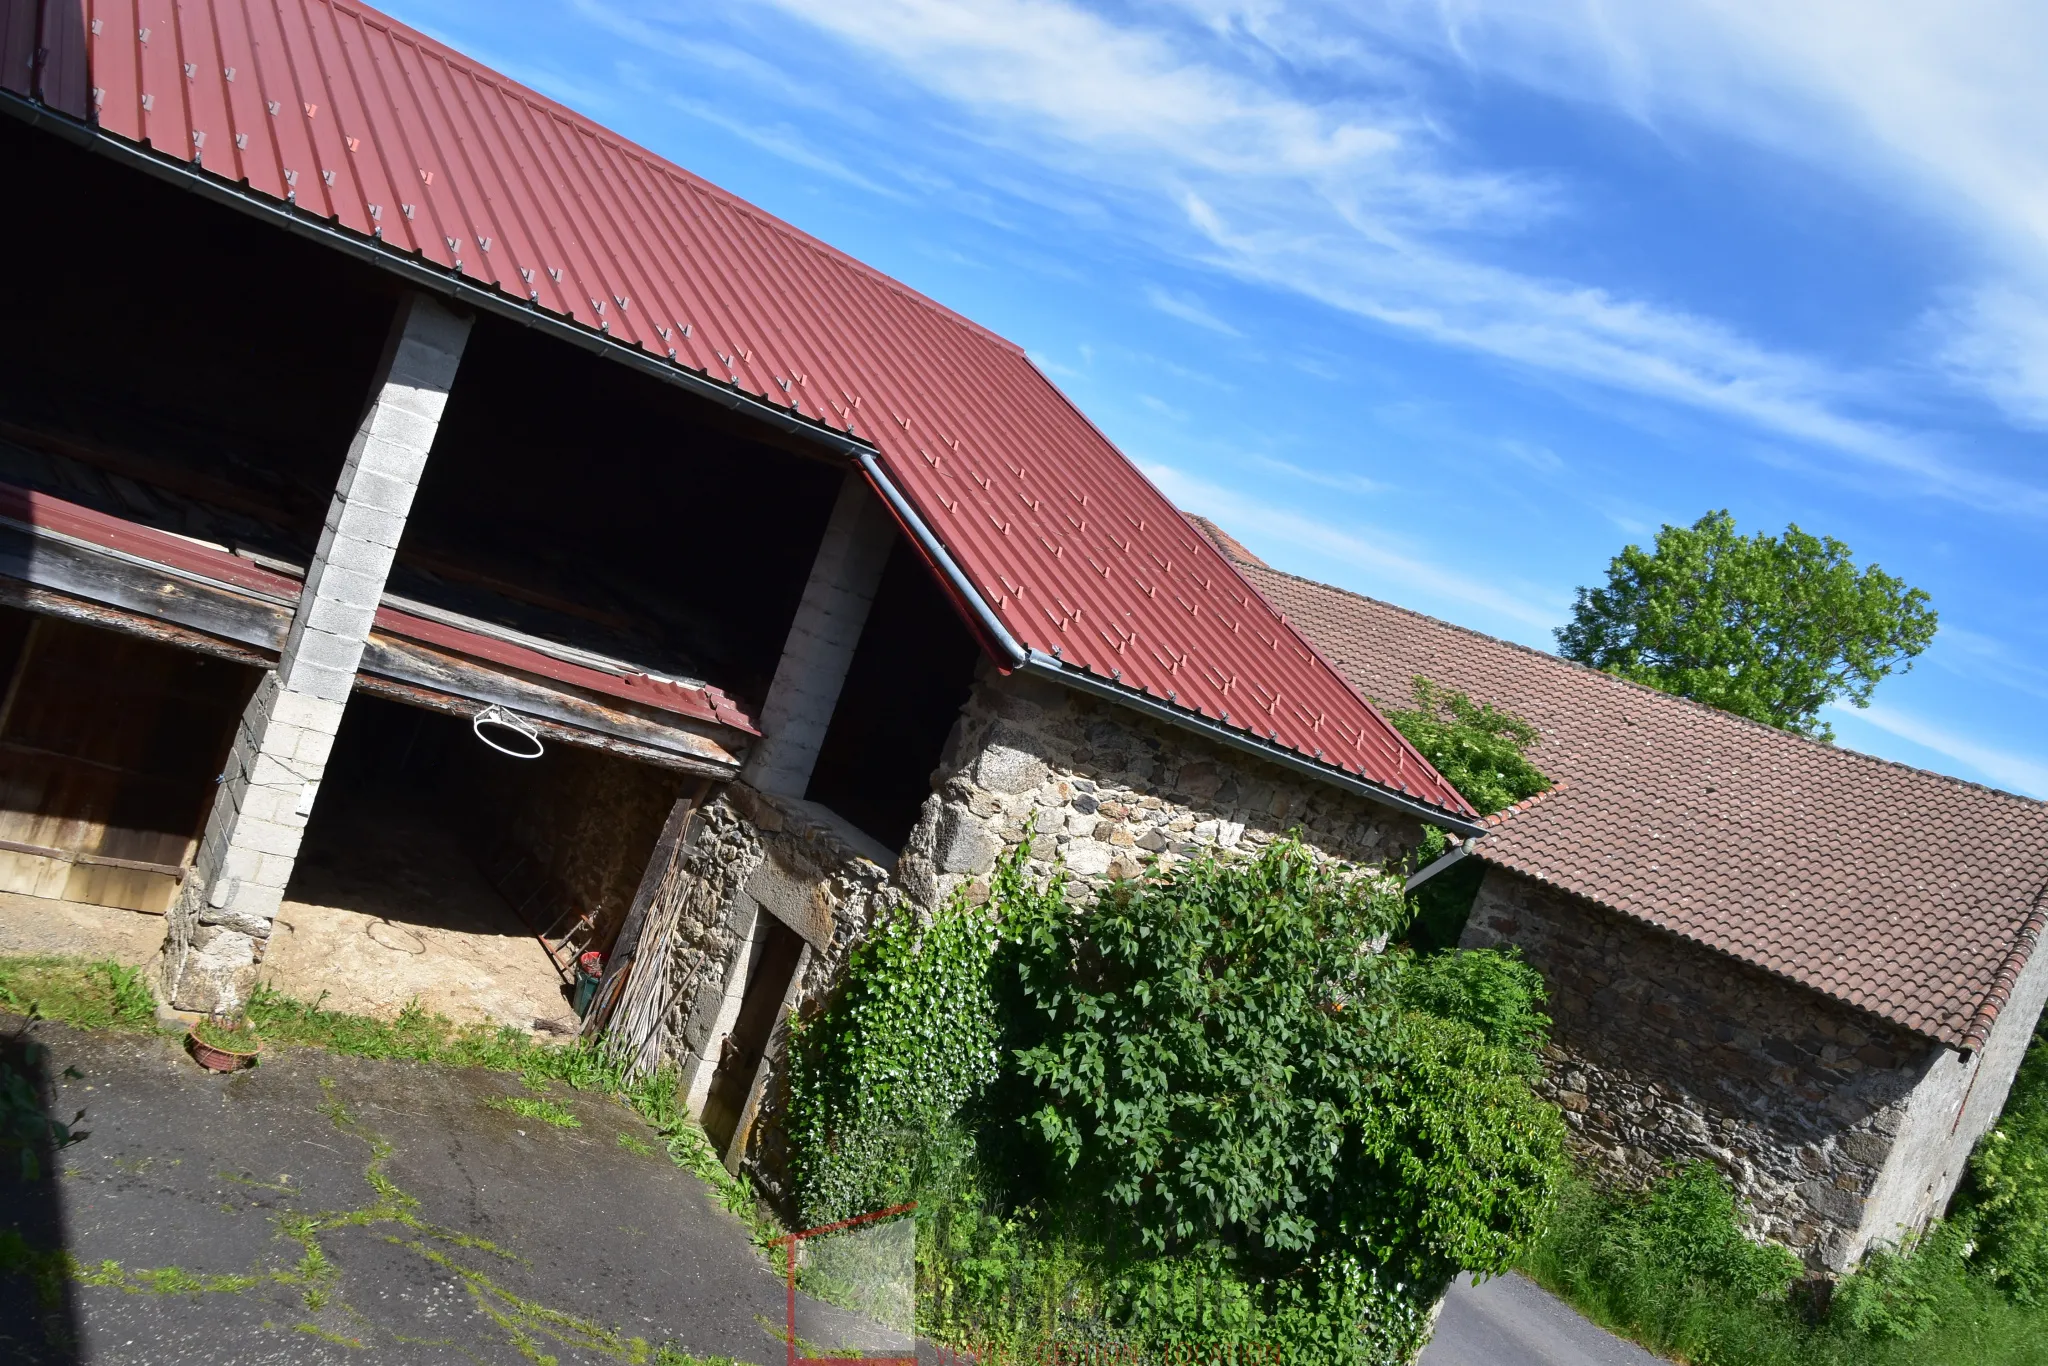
x,y
773,955
110,745
436,869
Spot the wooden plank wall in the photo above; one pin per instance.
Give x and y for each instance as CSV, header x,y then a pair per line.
x,y
109,746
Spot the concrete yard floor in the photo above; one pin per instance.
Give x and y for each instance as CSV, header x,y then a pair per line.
x,y
385,906
369,1211
68,929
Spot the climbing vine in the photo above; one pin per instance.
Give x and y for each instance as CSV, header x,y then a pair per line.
x,y
879,1082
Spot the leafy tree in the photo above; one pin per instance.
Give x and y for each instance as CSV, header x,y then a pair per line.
x,y
1482,751
1772,628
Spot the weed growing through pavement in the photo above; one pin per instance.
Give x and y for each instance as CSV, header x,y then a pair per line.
x,y
544,1111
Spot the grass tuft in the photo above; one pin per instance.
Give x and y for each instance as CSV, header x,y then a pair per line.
x,y
545,1111
88,995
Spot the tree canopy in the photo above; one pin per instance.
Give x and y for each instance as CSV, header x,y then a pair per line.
x,y
1769,627
1480,749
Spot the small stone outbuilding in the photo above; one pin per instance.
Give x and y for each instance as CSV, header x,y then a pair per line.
x,y
1813,968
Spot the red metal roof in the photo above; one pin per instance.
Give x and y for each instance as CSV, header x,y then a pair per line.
x,y
359,120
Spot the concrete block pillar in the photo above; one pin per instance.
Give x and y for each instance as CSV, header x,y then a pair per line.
x,y
819,650
222,920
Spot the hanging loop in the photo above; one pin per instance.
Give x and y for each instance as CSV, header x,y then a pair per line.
x,y
507,733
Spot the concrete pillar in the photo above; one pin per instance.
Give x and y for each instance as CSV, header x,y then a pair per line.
x,y
821,641
223,916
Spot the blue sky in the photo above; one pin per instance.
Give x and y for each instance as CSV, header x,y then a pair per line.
x,y
1446,302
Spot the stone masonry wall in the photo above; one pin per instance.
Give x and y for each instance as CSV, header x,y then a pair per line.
x,y
1664,1052
1112,792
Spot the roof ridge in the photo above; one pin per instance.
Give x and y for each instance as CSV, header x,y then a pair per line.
x,y
546,104
1667,697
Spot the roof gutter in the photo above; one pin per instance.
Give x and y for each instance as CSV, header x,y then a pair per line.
x,y
1439,865
454,285
1012,654
422,275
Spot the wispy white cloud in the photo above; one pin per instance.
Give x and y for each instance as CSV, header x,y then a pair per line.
x,y
1188,309
1934,105
1362,200
1343,483
2002,766
1388,571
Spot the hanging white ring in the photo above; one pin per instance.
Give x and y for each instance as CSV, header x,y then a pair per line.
x,y
497,718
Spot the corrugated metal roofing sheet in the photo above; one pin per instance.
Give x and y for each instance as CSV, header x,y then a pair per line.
x,y
357,119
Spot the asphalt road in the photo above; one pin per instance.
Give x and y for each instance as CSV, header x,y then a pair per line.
x,y
441,1230
321,1209
1512,1321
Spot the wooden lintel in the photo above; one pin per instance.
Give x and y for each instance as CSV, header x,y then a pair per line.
x,y
81,583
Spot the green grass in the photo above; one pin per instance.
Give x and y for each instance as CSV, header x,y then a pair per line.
x,y
95,995
1595,1257
638,1146
545,1111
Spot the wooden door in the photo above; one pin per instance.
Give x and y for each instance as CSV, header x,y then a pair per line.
x,y
109,747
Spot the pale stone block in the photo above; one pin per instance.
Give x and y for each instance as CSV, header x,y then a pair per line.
x,y
1003,769
254,899
267,837
346,586
240,863
368,524
1087,858
275,870
313,749
308,712
276,770
337,618
332,685
357,556
966,845
322,649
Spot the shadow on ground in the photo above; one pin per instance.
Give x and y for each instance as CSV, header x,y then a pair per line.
x,y
317,1206
38,1316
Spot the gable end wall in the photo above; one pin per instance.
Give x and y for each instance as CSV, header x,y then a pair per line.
x,y
1665,1052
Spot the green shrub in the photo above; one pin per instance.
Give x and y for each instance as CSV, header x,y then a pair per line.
x,y
1493,991
1902,1293
1671,1268
878,1083
1482,751
1223,1057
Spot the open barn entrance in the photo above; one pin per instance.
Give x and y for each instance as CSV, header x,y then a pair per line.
x,y
437,869
109,744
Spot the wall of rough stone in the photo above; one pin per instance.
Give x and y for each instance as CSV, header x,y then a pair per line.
x,y
1112,792
1662,1051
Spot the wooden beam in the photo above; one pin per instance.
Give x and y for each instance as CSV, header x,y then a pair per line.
x,y
422,666
56,574
170,870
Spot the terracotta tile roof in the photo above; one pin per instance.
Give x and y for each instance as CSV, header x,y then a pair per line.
x,y
1911,895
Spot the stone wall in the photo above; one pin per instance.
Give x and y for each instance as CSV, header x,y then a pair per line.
x,y
1112,792
1665,1052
